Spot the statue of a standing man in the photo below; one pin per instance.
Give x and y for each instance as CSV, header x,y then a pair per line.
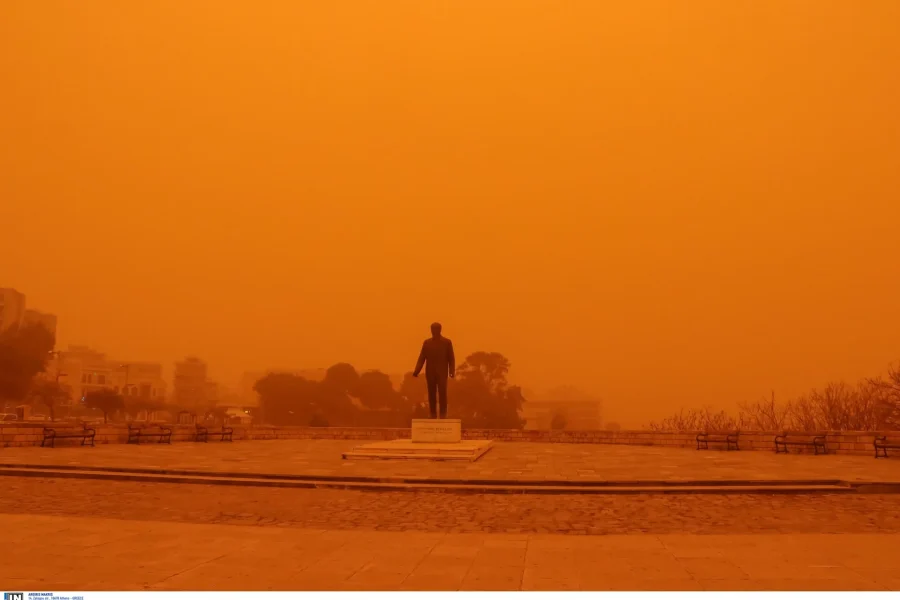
x,y
437,357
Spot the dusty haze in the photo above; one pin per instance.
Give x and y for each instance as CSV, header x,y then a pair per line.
x,y
664,203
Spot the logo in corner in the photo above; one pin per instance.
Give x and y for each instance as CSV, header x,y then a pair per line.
x,y
13,596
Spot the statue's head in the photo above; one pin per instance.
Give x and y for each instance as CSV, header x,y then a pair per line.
x,y
435,329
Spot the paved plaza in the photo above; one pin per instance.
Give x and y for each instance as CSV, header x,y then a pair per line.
x,y
54,553
90,534
572,514
506,461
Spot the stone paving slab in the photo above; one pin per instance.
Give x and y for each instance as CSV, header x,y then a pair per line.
x,y
506,461
88,554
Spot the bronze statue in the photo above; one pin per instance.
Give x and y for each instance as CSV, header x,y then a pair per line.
x,y
437,356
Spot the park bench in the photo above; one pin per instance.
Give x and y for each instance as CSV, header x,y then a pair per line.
x,y
204,432
729,439
882,444
161,432
51,434
816,443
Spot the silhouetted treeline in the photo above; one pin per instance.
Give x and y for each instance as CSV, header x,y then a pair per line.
x,y
479,395
870,405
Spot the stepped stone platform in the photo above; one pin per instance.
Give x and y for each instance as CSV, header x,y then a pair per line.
x,y
468,450
431,439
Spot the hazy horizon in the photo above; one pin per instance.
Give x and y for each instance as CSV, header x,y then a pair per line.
x,y
664,204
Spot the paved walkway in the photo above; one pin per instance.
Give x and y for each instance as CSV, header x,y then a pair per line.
x,y
572,514
88,554
506,461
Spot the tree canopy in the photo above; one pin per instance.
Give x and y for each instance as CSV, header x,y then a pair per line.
x,y
871,404
480,396
49,393
106,401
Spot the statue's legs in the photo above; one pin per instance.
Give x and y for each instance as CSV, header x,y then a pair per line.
x,y
437,389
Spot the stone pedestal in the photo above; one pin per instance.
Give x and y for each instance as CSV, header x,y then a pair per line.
x,y
431,439
436,431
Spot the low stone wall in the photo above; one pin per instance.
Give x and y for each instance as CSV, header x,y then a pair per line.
x,y
837,442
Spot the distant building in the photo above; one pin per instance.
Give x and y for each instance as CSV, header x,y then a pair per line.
x,y
14,314
191,387
12,308
580,415
578,409
84,370
141,379
211,392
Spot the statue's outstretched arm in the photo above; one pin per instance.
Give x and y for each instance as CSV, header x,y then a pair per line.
x,y
452,359
420,363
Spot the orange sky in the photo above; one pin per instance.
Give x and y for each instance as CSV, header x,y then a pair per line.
x,y
666,203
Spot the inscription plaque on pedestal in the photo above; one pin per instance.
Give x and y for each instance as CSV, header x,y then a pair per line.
x,y
436,431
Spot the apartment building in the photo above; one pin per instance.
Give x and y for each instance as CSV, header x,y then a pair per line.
x,y
84,370
191,386
14,313
12,308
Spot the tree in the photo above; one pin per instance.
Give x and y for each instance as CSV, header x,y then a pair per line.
x,y
507,414
889,399
481,395
840,407
287,399
106,401
704,419
146,404
764,415
871,405
24,352
489,367
376,392
343,377
334,395
49,393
